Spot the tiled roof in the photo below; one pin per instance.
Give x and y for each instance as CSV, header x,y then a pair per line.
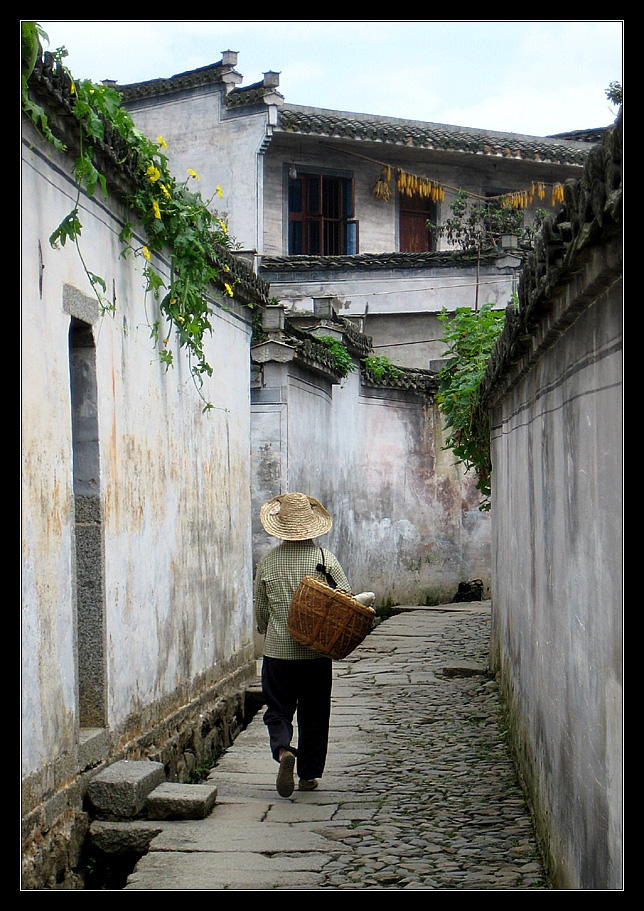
x,y
222,73
205,75
306,121
592,135
409,379
247,96
364,262
312,351
566,148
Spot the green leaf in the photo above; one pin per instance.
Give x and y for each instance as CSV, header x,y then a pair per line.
x,y
68,229
97,280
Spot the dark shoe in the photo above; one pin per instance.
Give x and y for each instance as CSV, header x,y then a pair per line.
x,y
308,784
284,783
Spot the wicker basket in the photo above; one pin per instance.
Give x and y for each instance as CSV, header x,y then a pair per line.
x,y
326,620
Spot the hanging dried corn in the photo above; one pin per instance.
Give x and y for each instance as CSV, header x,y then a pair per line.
x,y
413,185
380,188
520,199
557,193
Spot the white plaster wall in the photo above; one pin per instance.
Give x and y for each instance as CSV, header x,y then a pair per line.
x,y
402,505
557,587
48,680
397,308
405,292
222,150
406,522
177,521
175,483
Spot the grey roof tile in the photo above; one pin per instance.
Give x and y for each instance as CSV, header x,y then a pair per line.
x,y
307,121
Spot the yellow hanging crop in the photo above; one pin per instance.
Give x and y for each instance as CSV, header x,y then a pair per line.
x,y
412,184
380,188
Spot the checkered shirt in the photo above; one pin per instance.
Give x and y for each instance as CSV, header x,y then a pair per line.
x,y
279,572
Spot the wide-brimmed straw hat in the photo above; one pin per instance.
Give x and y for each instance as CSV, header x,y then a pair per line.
x,y
295,517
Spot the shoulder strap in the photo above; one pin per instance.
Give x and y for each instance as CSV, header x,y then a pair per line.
x,y
321,568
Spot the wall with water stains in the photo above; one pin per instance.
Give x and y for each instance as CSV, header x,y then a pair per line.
x,y
554,391
139,557
407,523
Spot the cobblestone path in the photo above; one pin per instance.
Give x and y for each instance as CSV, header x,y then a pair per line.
x,y
419,792
449,813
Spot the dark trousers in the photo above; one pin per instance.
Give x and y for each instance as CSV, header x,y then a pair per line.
x,y
302,686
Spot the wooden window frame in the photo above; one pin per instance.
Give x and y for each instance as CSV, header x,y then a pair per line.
x,y
325,220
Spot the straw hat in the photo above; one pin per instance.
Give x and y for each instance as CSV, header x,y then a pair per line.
x,y
295,517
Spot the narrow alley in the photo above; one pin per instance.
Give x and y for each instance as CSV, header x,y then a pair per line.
x,y
419,792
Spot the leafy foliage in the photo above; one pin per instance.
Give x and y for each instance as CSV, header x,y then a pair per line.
x,y
615,93
173,215
477,225
470,336
341,358
380,366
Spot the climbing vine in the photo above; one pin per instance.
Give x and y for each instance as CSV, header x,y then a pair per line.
x,y
470,336
171,213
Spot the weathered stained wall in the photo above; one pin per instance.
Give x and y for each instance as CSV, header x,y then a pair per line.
x,y
395,304
555,396
406,523
173,508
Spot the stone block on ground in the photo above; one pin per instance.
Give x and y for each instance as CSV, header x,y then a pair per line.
x,y
464,669
121,790
132,836
173,800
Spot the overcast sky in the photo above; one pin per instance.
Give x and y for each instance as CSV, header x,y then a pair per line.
x,y
521,76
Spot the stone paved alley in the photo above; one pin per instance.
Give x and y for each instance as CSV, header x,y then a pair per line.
x,y
419,792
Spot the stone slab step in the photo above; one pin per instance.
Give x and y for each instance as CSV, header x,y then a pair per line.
x,y
135,788
173,800
121,790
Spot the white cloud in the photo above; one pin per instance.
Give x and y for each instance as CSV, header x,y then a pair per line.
x,y
517,76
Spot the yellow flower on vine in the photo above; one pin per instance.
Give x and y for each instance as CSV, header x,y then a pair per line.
x,y
223,225
229,290
192,174
165,191
153,173
162,142
155,207
219,191
146,253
